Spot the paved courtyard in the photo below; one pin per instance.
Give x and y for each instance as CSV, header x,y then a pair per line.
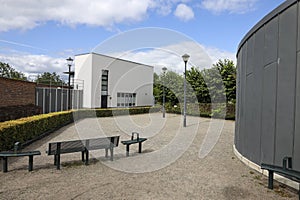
x,y
196,162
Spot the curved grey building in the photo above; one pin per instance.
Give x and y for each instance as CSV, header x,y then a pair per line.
x,y
268,94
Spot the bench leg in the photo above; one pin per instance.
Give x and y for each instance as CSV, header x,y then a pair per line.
x,y
87,157
82,156
4,164
127,150
271,178
30,164
111,154
140,147
106,152
55,159
58,161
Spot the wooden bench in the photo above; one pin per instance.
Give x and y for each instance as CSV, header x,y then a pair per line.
x,y
83,146
134,141
286,171
5,155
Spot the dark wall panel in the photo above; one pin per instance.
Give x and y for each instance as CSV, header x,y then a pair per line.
x,y
271,41
286,84
296,154
268,92
243,101
298,26
238,104
268,113
250,56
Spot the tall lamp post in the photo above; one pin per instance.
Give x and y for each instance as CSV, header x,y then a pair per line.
x,y
164,69
70,73
185,58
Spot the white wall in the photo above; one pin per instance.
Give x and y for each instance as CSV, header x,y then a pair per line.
x,y
83,71
123,76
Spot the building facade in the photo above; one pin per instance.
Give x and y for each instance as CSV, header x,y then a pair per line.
x,y
268,94
113,82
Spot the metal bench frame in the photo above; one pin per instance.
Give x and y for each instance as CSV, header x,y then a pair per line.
x,y
83,146
5,155
134,141
286,171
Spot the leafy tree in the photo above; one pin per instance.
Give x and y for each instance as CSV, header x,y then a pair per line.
x,y
227,71
7,71
49,78
216,84
195,78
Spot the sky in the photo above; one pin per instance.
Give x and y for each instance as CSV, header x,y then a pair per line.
x,y
37,36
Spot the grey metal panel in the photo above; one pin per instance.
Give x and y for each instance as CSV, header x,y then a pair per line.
x,y
268,113
296,154
53,100
298,27
238,104
250,145
243,101
250,56
286,4
271,41
286,84
258,66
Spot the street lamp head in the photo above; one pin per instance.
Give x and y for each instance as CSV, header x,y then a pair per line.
x,y
185,57
69,61
164,69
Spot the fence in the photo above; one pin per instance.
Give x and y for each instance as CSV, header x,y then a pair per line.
x,y
56,99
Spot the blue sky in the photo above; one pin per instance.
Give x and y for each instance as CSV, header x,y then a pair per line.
x,y
37,36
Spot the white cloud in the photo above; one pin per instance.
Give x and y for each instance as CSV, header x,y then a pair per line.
x,y
34,64
184,12
27,14
170,56
231,6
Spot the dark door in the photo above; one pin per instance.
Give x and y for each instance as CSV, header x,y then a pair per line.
x,y
104,101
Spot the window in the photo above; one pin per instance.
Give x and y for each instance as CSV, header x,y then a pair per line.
x,y
126,99
104,82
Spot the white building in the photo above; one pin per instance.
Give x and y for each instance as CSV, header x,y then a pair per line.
x,y
113,82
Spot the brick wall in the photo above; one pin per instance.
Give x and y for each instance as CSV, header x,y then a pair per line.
x,y
16,93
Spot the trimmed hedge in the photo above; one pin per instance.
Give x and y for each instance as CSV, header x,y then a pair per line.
x,y
205,110
29,129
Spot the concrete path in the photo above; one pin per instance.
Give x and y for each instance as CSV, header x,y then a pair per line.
x,y
196,162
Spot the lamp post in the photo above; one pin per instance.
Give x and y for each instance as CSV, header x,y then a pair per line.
x,y
185,58
70,73
164,96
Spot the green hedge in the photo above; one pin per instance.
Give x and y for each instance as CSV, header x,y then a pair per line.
x,y
205,110
26,130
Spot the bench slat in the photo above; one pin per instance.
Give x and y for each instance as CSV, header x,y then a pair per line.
x,y
18,154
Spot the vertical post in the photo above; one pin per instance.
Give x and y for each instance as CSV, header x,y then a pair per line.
x,y
164,95
30,164
184,101
185,58
69,89
4,164
58,156
271,176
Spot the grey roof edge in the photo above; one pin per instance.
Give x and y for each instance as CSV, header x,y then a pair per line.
x,y
99,54
277,11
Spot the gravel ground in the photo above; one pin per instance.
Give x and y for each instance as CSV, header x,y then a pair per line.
x,y
196,162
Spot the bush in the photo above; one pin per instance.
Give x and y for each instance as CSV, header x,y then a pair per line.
x,y
205,110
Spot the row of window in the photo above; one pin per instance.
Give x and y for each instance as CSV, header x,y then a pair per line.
x,y
126,99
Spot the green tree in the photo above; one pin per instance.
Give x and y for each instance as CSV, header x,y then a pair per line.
x,y
50,78
7,71
195,78
227,70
